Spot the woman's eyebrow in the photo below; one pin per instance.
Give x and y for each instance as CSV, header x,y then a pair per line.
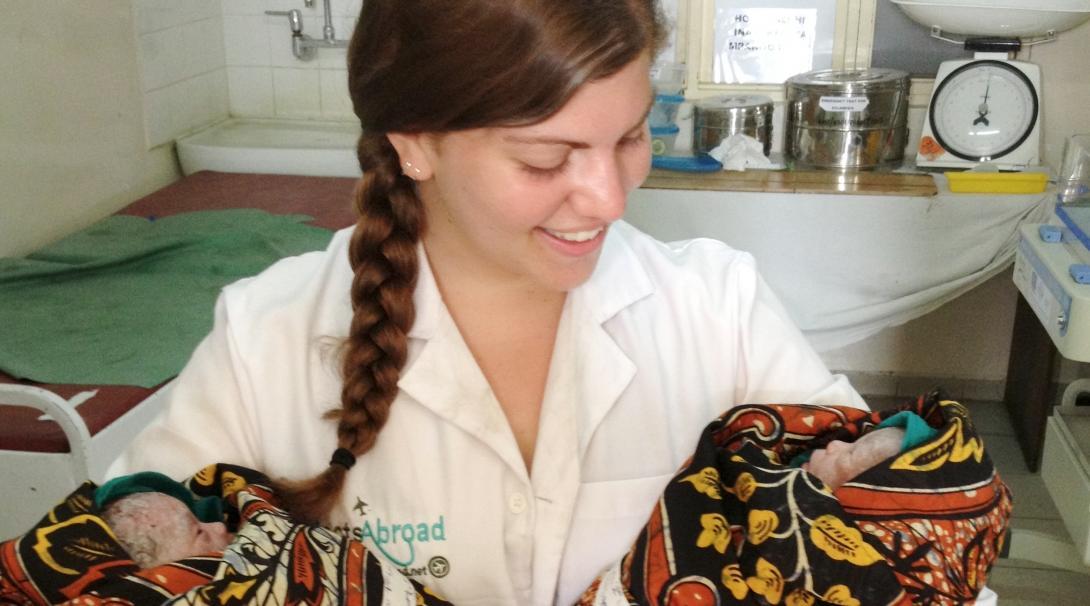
x,y
546,140
543,140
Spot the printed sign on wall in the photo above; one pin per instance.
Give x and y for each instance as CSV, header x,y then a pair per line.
x,y
769,45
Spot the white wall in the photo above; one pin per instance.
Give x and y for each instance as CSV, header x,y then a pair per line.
x,y
72,142
264,78
183,71
1065,76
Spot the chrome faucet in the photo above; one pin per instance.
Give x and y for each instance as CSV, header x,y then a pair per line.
x,y
303,46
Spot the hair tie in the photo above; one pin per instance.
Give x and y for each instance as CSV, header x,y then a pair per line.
x,y
343,457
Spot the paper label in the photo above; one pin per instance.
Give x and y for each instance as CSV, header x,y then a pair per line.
x,y
843,104
754,43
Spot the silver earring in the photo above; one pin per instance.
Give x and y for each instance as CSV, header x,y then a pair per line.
x,y
409,165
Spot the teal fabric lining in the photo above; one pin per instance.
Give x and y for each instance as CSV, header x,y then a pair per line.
x,y
125,301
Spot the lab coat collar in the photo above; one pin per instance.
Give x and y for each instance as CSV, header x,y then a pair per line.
x,y
619,280
444,377
604,370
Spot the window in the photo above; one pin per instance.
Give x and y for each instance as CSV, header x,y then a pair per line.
x,y
841,34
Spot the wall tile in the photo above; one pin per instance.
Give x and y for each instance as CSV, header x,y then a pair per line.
x,y
215,52
343,8
216,98
258,7
193,56
158,117
251,91
162,57
297,93
155,15
246,40
336,104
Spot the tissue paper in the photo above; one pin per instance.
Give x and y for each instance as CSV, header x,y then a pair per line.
x,y
739,152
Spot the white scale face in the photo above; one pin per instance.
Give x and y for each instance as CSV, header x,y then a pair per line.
x,y
982,110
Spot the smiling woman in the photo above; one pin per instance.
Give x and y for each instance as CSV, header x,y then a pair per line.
x,y
510,357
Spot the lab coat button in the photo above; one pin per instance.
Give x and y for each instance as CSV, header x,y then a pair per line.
x,y
516,503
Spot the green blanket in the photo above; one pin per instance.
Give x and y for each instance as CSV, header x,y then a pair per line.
x,y
125,301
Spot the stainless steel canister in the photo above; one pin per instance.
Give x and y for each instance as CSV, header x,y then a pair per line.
x,y
716,118
846,119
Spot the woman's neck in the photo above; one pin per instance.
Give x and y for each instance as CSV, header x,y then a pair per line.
x,y
510,329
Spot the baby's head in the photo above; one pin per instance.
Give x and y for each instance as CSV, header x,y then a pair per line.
x,y
840,461
156,528
158,520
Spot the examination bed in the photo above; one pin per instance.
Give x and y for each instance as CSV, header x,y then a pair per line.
x,y
42,460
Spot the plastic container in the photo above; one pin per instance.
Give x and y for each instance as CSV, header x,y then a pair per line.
x,y
668,78
664,110
663,139
997,183
1073,184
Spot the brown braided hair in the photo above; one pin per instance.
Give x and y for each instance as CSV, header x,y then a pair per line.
x,y
435,66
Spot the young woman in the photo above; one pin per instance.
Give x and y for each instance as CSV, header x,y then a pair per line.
x,y
513,372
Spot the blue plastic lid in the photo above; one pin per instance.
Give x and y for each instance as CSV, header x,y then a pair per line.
x,y
1080,272
1050,233
702,163
671,129
669,98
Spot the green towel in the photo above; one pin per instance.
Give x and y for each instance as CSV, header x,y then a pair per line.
x,y
126,301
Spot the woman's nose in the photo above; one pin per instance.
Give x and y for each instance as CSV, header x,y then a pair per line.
x,y
603,194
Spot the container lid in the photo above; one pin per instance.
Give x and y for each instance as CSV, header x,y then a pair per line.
x,y
669,99
702,163
671,129
851,80
733,101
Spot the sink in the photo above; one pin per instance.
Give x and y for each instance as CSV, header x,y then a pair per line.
x,y
1004,18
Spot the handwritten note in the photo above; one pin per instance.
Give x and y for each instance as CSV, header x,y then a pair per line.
x,y
762,44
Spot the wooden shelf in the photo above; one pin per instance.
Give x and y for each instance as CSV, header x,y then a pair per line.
x,y
797,182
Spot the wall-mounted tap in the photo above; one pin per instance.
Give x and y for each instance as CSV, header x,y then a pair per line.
x,y
303,46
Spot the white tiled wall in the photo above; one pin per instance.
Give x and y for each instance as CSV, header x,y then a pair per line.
x,y
182,60
203,60
266,80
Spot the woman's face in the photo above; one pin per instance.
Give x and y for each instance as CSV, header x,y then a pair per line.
x,y
532,204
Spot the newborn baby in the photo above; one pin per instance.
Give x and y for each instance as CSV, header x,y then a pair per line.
x,y
840,461
156,519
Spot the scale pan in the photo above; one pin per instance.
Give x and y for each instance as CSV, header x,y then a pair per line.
x,y
1003,18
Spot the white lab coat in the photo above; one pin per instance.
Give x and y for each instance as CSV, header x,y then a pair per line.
x,y
660,340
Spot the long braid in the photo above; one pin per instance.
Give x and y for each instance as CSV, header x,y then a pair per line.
x,y
413,68
383,256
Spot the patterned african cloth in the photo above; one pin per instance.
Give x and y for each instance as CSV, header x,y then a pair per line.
x,y
738,526
72,557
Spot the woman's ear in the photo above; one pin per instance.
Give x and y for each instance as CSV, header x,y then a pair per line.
x,y
413,154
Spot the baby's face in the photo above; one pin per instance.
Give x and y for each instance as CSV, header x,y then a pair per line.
x,y
840,461
178,534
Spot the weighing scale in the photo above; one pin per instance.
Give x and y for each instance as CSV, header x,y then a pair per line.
x,y
988,109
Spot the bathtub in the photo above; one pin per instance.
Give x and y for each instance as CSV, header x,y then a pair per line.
x,y
286,147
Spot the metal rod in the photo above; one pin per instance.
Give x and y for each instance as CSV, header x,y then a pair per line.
x,y
327,31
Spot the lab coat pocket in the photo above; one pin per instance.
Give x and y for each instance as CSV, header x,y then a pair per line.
x,y
607,518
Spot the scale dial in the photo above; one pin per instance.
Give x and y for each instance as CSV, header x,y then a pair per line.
x,y
983,110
